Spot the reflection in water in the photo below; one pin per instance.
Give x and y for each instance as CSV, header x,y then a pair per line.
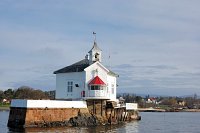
x,y
125,127
98,129
3,120
134,127
121,128
151,122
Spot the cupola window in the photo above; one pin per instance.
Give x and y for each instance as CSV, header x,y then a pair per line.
x,y
97,84
96,57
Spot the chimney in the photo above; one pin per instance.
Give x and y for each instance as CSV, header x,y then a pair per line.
x,y
86,56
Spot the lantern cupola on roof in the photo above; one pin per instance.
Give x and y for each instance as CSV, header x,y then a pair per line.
x,y
95,54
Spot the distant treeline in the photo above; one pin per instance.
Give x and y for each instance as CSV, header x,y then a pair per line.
x,y
148,101
23,92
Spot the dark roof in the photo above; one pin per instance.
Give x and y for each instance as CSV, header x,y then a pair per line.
x,y
76,67
79,67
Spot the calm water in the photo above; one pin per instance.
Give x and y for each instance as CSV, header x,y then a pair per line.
x,y
151,123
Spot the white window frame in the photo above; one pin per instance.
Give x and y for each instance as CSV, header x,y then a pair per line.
x,y
70,86
113,88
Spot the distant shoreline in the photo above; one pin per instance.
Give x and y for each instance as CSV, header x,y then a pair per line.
x,y
4,108
191,110
163,110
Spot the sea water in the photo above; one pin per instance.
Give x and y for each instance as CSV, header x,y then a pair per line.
x,y
151,122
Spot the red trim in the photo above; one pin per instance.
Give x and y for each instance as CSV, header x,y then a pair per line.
x,y
82,93
97,81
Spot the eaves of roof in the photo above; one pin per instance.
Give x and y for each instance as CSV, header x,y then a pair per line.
x,y
76,67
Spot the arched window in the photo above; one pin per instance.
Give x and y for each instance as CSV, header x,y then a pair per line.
x,y
96,57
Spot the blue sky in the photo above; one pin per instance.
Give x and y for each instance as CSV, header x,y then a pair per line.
x,y
154,45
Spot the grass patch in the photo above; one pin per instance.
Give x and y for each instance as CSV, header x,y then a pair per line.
x,y
4,105
163,107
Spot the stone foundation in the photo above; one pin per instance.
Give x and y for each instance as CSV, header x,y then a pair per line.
x,y
30,113
29,117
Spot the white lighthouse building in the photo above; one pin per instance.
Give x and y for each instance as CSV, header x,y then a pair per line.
x,y
86,79
85,87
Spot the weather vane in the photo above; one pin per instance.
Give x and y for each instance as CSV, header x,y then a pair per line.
x,y
94,36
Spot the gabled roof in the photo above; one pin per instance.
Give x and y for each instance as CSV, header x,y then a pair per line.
x,y
79,67
95,47
112,73
97,81
99,64
76,67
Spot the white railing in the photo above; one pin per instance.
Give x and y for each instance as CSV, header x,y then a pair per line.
x,y
97,93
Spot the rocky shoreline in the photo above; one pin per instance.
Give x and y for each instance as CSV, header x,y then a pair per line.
x,y
86,119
